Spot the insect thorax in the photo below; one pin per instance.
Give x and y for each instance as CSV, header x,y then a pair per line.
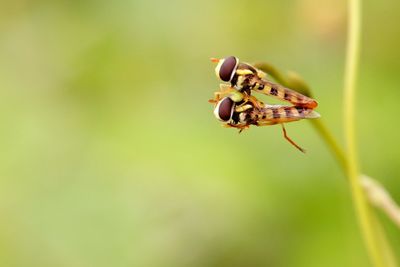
x,y
245,78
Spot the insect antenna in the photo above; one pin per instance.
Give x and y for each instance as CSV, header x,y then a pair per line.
x,y
290,140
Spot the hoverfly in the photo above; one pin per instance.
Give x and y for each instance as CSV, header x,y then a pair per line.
x,y
236,110
244,78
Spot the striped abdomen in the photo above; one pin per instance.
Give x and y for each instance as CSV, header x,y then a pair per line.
x,y
285,94
272,114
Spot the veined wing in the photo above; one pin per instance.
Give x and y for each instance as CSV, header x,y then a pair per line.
x,y
285,94
273,114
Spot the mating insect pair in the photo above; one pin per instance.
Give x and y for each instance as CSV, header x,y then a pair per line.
x,y
236,107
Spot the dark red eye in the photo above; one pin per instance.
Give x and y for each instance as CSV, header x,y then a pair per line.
x,y
225,109
227,68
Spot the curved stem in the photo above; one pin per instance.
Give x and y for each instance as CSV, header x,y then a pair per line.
x,y
327,136
361,205
362,187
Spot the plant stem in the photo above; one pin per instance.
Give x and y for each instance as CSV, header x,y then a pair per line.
x,y
362,186
331,142
360,203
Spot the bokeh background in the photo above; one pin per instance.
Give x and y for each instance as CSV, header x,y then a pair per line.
x,y
110,154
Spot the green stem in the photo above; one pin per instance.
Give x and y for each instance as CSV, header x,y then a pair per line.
x,y
360,203
326,135
378,247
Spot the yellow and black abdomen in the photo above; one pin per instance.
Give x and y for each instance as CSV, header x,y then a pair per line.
x,y
285,94
272,114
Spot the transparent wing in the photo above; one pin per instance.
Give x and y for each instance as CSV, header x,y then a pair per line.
x,y
272,114
285,94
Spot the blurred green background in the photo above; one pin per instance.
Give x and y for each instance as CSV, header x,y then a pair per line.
x,y
111,156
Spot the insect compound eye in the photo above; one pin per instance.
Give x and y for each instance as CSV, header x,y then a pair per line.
x,y
226,68
224,109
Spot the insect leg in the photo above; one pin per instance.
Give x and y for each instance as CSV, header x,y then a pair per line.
x,y
227,91
254,101
290,140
